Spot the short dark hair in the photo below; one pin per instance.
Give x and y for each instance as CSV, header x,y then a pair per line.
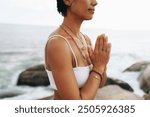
x,y
62,7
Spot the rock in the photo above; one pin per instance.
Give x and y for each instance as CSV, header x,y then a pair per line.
x,y
39,67
144,79
138,66
114,92
147,96
122,84
34,76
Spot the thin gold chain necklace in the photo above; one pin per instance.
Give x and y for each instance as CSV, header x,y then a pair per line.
x,y
80,43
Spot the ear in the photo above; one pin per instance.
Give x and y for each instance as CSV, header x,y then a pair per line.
x,y
68,2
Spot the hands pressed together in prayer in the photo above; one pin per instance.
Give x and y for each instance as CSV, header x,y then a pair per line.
x,y
100,56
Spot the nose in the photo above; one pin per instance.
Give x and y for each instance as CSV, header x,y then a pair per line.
x,y
94,3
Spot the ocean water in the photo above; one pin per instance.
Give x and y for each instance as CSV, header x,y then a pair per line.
x,y
22,46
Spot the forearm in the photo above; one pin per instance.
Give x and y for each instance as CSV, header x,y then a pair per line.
x,y
89,90
103,82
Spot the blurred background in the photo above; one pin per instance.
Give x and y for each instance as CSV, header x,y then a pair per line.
x,y
26,24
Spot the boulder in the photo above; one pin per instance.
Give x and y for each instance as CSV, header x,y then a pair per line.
x,y
39,67
138,66
144,79
122,84
34,76
114,92
147,96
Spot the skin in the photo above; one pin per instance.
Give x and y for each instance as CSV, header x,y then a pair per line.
x,y
63,74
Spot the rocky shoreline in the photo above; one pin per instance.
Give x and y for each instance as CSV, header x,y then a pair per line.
x,y
144,78
114,88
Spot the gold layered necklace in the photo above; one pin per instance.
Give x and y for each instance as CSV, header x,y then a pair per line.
x,y
80,43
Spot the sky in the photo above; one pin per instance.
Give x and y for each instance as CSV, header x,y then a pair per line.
x,y
109,14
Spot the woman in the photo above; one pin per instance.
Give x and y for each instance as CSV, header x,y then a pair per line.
x,y
75,70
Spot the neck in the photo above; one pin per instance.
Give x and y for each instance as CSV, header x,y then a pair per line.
x,y
73,23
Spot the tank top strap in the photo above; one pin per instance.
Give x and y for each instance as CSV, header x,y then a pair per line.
x,y
62,37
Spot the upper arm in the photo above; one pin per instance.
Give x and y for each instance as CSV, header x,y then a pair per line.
x,y
59,57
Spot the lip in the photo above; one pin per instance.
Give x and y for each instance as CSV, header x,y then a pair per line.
x,y
91,10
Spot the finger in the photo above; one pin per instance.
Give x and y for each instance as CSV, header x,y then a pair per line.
x,y
97,44
101,41
105,43
108,48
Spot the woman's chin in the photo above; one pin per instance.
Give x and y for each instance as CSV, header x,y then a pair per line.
x,y
89,18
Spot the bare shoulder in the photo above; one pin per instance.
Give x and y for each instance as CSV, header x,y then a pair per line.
x,y
56,42
57,51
